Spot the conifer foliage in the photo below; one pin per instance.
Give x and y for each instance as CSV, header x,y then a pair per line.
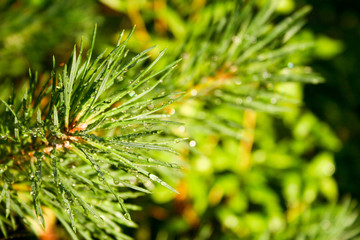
x,y
50,159
86,139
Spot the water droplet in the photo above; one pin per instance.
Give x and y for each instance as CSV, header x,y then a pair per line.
x,y
290,65
147,126
192,143
273,100
193,92
266,75
248,99
150,106
131,93
164,183
127,216
181,129
171,111
153,177
236,40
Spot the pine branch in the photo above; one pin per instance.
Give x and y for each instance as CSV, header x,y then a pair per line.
x,y
56,150
239,59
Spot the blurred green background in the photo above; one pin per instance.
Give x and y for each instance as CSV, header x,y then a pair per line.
x,y
298,169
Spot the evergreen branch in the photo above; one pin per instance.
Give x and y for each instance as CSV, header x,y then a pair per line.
x,y
49,142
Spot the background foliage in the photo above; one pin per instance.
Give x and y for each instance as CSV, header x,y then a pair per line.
x,y
248,174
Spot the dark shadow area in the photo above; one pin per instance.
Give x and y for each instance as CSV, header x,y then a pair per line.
x,y
337,101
